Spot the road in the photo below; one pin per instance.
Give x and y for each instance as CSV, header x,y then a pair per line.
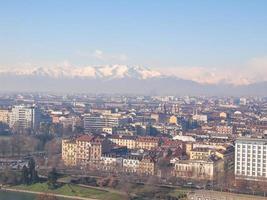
x,y
214,195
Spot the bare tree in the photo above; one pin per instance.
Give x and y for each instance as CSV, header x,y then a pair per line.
x,y
4,146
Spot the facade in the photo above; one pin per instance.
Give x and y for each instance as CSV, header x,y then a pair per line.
x,y
147,166
99,122
173,119
251,159
147,143
69,152
107,130
207,169
200,153
24,117
4,116
124,141
88,150
84,150
224,130
111,162
131,164
200,118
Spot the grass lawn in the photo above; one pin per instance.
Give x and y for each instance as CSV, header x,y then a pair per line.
x,y
180,193
73,190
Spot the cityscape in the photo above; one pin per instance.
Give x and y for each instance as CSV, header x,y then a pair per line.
x,y
196,143
133,100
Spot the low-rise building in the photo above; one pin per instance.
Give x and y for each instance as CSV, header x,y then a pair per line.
x,y
147,142
111,162
200,153
131,164
147,166
224,130
127,141
207,169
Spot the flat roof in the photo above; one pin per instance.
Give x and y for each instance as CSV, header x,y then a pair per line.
x,y
248,139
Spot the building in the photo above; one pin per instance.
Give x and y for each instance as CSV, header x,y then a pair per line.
x,y
111,162
24,117
173,119
4,116
224,130
98,122
207,169
251,159
148,143
84,150
88,149
200,153
200,118
147,166
69,147
131,164
124,141
69,122
243,101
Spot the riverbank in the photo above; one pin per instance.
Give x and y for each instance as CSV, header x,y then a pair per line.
x,y
67,191
45,193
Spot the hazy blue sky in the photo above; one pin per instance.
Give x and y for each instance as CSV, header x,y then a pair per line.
x,y
205,34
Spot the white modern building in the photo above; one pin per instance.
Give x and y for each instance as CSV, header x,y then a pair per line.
x,y
200,118
24,117
100,122
251,158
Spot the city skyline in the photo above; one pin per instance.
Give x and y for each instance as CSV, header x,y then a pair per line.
x,y
206,42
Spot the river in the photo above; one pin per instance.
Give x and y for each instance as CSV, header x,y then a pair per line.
x,y
16,196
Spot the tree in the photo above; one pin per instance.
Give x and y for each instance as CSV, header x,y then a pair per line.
x,y
25,175
52,178
4,147
33,175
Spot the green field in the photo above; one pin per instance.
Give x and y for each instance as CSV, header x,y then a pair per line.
x,y
179,193
73,190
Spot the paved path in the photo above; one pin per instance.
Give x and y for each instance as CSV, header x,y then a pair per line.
x,y
45,193
215,195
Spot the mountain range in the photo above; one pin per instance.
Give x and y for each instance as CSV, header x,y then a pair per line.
x,y
115,79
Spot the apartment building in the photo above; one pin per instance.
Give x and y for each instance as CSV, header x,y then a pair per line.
x,y
251,158
69,147
84,150
88,149
147,143
131,164
24,117
224,130
147,166
124,141
4,116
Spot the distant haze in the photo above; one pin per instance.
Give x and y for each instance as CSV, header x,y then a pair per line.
x,y
116,79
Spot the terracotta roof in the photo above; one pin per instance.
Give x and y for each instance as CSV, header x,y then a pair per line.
x,y
85,138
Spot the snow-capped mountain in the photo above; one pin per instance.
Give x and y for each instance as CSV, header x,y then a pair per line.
x,y
115,79
103,72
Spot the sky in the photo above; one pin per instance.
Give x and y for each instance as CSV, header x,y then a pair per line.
x,y
202,40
